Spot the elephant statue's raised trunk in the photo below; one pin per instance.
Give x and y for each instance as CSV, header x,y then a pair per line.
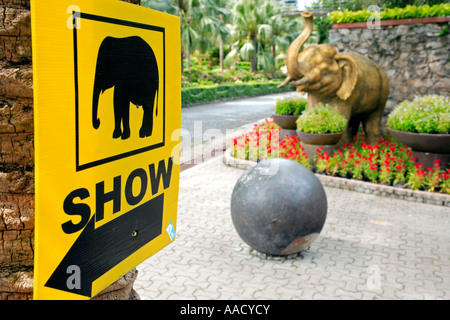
x,y
292,64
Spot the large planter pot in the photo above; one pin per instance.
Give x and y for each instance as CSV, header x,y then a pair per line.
x,y
287,124
426,147
319,138
285,121
425,142
313,141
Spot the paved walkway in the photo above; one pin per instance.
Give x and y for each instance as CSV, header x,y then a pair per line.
x,y
370,248
216,118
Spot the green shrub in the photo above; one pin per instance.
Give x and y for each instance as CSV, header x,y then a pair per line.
x,y
291,106
197,76
244,65
198,94
444,123
425,114
321,119
437,10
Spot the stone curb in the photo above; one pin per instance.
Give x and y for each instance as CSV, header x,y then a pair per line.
x,y
359,186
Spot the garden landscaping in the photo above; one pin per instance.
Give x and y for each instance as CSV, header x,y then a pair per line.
x,y
204,83
408,12
392,162
389,165
207,93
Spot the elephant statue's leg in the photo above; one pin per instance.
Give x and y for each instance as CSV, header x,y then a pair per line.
x,y
371,125
147,120
372,122
347,137
121,114
355,124
351,130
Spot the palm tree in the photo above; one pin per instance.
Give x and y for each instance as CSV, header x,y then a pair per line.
x,y
257,28
267,31
250,19
188,11
212,22
203,23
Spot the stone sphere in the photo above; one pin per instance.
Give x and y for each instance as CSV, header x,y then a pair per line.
x,y
278,207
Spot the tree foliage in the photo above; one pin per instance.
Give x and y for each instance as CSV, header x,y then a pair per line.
x,y
249,30
354,5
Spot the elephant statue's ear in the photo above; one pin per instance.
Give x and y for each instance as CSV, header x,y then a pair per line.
x,y
349,75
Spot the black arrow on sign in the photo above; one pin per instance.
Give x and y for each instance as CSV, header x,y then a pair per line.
x,y
98,250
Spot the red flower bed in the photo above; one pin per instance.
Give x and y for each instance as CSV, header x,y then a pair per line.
x,y
389,162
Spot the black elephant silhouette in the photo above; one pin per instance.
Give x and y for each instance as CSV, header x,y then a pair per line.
x,y
129,65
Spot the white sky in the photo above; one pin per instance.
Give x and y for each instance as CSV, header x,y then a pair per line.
x,y
301,3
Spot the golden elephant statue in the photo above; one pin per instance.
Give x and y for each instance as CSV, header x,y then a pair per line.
x,y
349,82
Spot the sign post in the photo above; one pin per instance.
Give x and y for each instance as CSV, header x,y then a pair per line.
x,y
107,101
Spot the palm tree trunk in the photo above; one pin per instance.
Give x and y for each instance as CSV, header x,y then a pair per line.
x,y
17,161
255,54
188,56
16,154
221,54
221,50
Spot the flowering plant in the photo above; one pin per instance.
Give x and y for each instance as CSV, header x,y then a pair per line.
x,y
321,119
445,181
388,162
424,114
264,143
291,148
260,144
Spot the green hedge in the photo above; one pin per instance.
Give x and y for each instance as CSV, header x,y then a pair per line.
x,y
438,10
227,91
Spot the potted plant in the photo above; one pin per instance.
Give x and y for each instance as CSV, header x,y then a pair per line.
x,y
287,111
423,124
321,125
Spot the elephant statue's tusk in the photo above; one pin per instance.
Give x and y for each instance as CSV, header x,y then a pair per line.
x,y
300,82
285,82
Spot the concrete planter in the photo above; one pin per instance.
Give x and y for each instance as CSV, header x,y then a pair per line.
x,y
285,121
287,124
425,142
426,147
319,138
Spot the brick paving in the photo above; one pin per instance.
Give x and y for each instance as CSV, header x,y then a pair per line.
x,y
371,247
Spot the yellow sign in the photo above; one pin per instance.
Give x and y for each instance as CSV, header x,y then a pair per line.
x,y
107,101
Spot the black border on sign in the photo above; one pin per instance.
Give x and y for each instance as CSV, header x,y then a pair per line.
x,y
81,15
